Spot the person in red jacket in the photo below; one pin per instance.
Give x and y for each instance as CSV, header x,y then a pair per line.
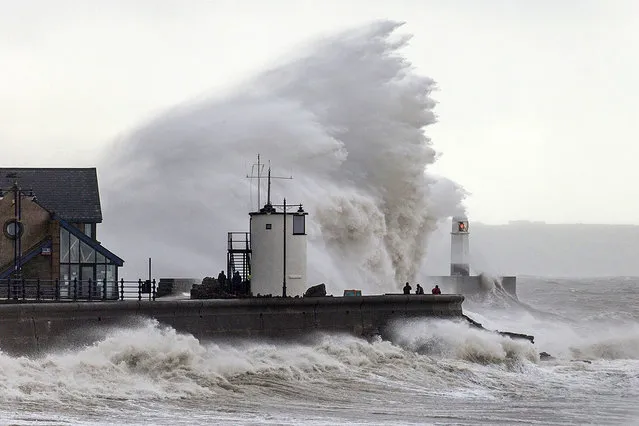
x,y
436,290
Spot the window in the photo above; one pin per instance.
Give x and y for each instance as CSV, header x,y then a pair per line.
x,y
74,249
64,246
299,224
80,261
13,229
269,226
87,254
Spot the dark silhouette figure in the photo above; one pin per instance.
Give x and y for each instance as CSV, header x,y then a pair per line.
x,y
221,279
436,290
237,282
407,288
419,289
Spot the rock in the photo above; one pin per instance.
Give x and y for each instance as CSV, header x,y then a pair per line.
x,y
522,336
512,335
316,291
545,356
209,289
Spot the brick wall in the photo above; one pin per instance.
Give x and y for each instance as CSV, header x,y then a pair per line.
x,y
37,226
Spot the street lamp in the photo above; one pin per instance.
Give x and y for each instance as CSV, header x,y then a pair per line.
x,y
14,228
284,208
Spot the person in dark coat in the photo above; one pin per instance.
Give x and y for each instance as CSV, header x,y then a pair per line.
x,y
237,282
407,288
419,289
221,279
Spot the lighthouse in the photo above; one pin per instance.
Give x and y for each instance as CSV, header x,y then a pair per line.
x,y
459,247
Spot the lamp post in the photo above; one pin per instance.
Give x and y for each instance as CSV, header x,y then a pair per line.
x,y
284,208
14,228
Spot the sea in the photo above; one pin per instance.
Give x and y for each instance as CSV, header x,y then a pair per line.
x,y
348,117
430,371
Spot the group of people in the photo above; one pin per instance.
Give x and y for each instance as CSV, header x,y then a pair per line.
x,y
420,289
235,284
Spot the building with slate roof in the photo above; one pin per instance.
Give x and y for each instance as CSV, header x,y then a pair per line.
x,y
49,219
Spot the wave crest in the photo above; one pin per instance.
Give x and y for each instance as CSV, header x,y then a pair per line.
x,y
347,116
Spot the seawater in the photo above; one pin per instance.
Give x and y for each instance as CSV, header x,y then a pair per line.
x,y
347,118
429,372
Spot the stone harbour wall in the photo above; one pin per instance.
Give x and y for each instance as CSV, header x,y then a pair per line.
x,y
27,328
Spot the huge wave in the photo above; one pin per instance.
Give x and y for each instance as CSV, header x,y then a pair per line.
x,y
152,361
346,117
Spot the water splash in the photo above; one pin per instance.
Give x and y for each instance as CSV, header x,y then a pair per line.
x,y
347,116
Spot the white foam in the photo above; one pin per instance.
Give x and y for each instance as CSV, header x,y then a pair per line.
x,y
345,117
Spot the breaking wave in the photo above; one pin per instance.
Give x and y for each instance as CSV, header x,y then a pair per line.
x,y
153,361
346,118
154,368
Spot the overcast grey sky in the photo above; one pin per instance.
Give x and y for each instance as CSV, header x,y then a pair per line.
x,y
536,98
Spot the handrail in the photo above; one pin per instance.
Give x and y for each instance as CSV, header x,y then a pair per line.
x,y
38,290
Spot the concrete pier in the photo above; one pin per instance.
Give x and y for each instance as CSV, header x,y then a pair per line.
x,y
473,284
28,328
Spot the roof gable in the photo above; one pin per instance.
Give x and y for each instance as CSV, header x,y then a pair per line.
x,y
71,193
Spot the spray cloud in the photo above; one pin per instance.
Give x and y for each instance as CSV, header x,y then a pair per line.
x,y
347,118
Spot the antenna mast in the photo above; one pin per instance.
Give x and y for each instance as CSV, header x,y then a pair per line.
x,y
260,168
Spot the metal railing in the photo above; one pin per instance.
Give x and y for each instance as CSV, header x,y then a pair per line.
x,y
37,290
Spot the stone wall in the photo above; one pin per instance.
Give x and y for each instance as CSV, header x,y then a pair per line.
x,y
30,328
36,222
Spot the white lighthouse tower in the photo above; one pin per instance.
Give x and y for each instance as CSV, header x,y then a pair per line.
x,y
459,247
278,248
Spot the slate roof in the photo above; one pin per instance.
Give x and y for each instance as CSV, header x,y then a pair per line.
x,y
71,193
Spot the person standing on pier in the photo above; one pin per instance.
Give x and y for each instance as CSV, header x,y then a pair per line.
x,y
221,280
407,288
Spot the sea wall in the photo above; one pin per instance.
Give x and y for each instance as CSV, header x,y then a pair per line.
x,y
33,327
469,285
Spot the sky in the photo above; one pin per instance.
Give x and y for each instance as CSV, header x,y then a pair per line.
x,y
536,100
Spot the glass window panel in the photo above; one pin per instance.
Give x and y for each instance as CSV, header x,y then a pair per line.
x,y
87,254
65,279
112,284
99,258
100,272
298,225
110,272
74,249
75,285
64,245
74,273
88,273
64,274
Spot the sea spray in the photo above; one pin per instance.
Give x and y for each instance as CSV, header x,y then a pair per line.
x,y
451,339
346,118
152,361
